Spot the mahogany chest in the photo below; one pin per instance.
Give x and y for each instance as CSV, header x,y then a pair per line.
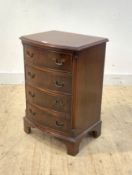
x,y
63,85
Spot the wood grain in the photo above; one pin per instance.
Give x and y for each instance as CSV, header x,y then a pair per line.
x,y
55,102
56,70
90,68
54,81
46,58
63,40
39,154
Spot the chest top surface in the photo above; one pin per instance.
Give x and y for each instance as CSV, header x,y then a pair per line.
x,y
63,40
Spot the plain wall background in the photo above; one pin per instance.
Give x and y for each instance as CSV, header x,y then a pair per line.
x,y
111,19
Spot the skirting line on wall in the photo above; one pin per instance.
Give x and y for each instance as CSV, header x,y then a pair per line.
x,y
11,78
118,79
109,79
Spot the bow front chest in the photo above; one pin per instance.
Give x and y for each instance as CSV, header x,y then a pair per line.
x,y
63,85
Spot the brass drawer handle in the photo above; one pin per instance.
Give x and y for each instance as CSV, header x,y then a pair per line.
x,y
59,62
59,123
33,113
59,84
29,54
31,94
31,75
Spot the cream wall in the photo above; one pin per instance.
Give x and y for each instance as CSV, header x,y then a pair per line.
x,y
112,19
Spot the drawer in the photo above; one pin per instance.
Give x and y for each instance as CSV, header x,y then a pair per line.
x,y
46,58
61,103
60,82
46,118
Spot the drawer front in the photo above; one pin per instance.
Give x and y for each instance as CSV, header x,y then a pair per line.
x,y
56,102
46,118
46,58
48,80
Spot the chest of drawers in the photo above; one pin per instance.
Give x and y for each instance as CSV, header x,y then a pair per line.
x,y
63,85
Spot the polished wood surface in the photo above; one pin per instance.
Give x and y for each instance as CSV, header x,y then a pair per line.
x,y
61,103
63,86
41,154
48,80
46,58
63,40
46,118
90,66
